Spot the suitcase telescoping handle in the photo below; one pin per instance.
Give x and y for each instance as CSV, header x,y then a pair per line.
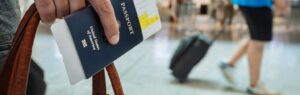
x,y
15,71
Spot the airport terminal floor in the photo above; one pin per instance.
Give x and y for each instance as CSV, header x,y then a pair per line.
x,y
145,69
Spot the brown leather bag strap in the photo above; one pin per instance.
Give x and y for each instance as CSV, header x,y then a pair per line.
x,y
115,80
15,72
14,75
99,84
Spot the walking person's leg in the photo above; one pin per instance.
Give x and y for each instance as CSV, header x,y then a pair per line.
x,y
239,52
260,22
228,66
255,54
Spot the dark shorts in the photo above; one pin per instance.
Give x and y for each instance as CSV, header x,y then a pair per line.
x,y
260,22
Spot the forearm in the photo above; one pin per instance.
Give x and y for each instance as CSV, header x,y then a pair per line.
x,y
173,6
280,4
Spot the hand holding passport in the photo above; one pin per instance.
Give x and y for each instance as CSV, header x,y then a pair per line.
x,y
81,36
49,10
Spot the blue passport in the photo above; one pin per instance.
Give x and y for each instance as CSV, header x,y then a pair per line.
x,y
82,42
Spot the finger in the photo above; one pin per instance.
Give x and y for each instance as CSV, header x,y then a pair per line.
x,y
62,8
76,5
46,10
107,16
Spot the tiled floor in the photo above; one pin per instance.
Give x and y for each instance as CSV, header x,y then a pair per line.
x,y
144,70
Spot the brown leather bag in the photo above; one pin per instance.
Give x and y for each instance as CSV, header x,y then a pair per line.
x,y
14,75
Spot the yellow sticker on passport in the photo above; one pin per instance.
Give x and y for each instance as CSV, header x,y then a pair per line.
x,y
148,16
146,20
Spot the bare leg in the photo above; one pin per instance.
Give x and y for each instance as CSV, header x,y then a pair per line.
x,y
239,52
227,67
255,54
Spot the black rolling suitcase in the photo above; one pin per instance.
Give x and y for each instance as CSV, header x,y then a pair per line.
x,y
190,51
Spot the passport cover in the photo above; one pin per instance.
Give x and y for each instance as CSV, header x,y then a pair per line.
x,y
85,49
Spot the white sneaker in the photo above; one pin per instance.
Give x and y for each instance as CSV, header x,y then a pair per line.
x,y
260,90
227,72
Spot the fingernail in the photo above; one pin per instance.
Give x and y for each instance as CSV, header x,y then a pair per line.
x,y
115,39
47,22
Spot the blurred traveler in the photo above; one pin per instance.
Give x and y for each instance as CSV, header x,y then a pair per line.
x,y
228,13
184,12
168,7
222,11
259,18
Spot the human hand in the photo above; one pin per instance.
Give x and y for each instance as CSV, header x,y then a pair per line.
x,y
281,4
49,10
227,2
